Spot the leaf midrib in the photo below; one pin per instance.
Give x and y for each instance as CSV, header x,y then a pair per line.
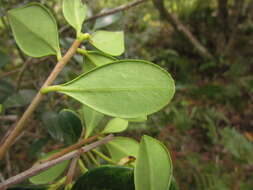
x,y
41,39
67,89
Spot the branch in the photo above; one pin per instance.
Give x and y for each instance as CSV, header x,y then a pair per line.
x,y
70,148
9,117
109,12
38,98
179,26
42,167
115,10
235,21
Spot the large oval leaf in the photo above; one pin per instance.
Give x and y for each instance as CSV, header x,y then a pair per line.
x,y
109,42
51,174
121,147
35,30
74,12
125,89
153,169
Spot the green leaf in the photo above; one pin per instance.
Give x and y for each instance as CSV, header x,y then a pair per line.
x,y
174,185
50,122
21,98
138,119
106,177
35,30
29,187
125,89
51,174
121,147
74,12
94,59
115,125
1,108
106,20
153,169
70,125
6,90
5,59
108,42
91,119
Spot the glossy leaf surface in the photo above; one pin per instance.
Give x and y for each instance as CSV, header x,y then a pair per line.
x,y
35,30
153,169
51,174
106,178
74,12
70,125
125,89
50,122
115,125
121,147
91,119
108,42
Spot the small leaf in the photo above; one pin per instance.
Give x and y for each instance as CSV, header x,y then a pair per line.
x,y
125,89
108,42
74,12
107,20
91,119
5,59
174,185
94,59
138,119
6,90
1,108
50,122
153,169
35,30
115,125
121,147
21,98
51,174
70,125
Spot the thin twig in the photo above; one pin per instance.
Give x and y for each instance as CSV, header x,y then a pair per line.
x,y
115,10
70,148
21,73
109,12
42,167
71,171
74,162
9,117
38,98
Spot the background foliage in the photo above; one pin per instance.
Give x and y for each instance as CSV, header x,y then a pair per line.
x,y
208,125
